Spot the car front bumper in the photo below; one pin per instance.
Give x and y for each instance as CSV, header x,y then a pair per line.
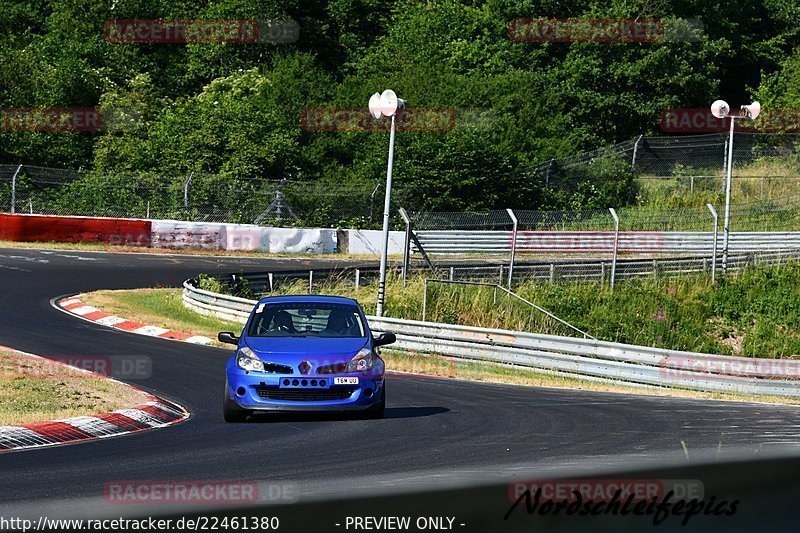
x,y
258,391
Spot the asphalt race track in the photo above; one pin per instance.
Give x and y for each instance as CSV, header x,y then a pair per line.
x,y
435,431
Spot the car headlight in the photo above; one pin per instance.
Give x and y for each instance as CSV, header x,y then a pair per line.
x,y
247,360
363,361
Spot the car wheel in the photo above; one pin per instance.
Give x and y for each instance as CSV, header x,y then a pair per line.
x,y
378,410
228,412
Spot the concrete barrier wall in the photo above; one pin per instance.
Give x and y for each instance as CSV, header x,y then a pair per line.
x,y
177,234
369,242
173,234
31,228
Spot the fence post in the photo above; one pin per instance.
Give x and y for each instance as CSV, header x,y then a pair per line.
x,y
513,245
310,281
270,282
714,245
635,150
14,190
724,166
186,193
616,246
552,272
407,246
424,298
358,277
372,201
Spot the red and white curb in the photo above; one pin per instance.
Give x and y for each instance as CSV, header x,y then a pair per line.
x,y
155,413
75,306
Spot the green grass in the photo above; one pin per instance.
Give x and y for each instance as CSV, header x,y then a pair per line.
x,y
751,183
162,308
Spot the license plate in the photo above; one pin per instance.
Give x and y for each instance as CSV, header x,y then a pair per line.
x,y
345,381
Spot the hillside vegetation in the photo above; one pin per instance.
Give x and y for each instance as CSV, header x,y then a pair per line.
x,y
234,110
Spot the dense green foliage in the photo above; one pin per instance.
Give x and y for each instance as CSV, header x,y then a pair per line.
x,y
233,110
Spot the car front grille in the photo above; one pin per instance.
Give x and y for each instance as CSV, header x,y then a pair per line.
x,y
302,394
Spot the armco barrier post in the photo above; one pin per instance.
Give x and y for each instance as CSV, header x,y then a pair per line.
x,y
714,240
14,190
616,246
513,246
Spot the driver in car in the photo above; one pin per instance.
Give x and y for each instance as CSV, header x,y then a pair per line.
x,y
282,321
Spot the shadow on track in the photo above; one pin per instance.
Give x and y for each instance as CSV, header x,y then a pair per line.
x,y
391,412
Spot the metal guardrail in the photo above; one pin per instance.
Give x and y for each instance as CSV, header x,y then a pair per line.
x,y
553,270
458,242
567,356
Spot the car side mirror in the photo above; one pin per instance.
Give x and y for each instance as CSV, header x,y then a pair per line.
x,y
228,337
385,338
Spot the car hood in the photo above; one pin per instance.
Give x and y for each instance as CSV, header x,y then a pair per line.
x,y
292,350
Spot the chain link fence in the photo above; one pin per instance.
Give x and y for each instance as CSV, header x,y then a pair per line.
x,y
755,155
197,197
600,245
667,170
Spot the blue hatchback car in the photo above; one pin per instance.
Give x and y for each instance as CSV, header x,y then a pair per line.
x,y
305,353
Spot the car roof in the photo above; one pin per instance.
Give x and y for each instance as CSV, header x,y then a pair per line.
x,y
308,298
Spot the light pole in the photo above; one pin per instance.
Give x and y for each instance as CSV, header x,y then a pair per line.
x,y
721,109
385,104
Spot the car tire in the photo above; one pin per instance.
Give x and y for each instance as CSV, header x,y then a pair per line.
x,y
378,411
230,414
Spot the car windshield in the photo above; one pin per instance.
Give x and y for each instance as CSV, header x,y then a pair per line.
x,y
307,320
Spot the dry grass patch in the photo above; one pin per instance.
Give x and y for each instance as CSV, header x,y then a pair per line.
x,y
38,390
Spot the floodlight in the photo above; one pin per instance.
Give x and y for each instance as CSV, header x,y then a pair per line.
x,y
720,109
752,110
375,105
390,102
